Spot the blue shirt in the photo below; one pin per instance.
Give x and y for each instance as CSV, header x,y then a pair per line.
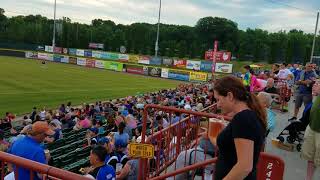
x,y
106,172
28,148
296,73
303,89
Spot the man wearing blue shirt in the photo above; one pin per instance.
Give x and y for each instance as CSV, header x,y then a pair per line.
x,y
100,170
304,92
29,147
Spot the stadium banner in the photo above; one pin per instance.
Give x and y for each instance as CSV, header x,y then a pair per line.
x,y
167,62
31,55
104,55
123,57
134,58
58,50
81,61
65,59
48,48
57,58
99,64
112,56
90,63
156,61
221,56
115,66
87,53
135,69
96,54
194,65
72,51
144,60
145,70
164,73
72,60
223,68
65,50
80,52
178,75
40,48
206,66
154,71
179,63
50,57
42,56
198,76
96,45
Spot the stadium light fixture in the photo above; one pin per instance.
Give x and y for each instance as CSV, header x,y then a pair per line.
x,y
314,38
54,26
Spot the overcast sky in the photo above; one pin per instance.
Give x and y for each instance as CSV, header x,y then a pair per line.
x,y
271,15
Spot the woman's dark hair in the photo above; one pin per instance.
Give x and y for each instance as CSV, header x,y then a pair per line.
x,y
100,152
247,67
121,127
231,84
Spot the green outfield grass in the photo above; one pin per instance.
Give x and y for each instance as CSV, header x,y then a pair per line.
x,y
26,83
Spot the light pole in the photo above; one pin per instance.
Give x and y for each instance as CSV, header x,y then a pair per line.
x,y
157,41
314,38
54,26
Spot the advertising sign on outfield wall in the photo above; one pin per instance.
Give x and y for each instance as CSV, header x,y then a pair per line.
x,y
144,60
156,61
72,60
167,62
48,48
123,57
65,59
81,61
99,64
154,71
31,55
133,58
90,63
179,63
135,69
178,75
80,52
57,58
194,65
223,68
165,73
87,53
96,54
49,57
72,51
206,66
198,76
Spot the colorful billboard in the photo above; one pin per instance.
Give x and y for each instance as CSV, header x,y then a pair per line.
x,y
154,71
90,63
179,63
58,50
99,64
165,73
57,58
156,61
134,58
223,68
31,55
65,59
167,62
43,56
198,76
144,60
206,66
115,66
87,53
81,61
123,57
80,52
135,69
72,51
221,56
194,65
48,48
178,75
96,54
72,60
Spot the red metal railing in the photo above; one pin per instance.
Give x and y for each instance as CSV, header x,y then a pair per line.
x,y
175,140
47,172
269,167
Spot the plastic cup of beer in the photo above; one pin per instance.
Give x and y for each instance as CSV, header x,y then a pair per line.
x,y
215,127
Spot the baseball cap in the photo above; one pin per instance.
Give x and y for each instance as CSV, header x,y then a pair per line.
x,y
41,127
103,140
94,130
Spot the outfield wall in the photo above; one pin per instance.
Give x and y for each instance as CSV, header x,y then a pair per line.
x,y
122,66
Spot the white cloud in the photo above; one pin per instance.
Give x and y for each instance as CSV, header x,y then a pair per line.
x,y
246,13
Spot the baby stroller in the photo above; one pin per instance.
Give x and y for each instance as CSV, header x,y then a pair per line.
x,y
294,131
